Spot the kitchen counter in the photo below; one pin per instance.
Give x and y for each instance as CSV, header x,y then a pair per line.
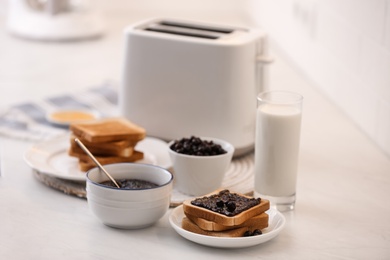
x,y
342,209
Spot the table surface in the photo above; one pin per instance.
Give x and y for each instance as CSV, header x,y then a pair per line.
x,y
342,209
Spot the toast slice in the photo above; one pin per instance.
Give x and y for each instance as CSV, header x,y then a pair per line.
x,y
85,163
108,130
222,219
137,155
118,148
188,225
118,145
256,222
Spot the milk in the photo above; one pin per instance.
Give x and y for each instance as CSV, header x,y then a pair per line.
x,y
276,149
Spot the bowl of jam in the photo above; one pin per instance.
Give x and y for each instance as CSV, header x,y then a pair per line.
x,y
142,199
200,163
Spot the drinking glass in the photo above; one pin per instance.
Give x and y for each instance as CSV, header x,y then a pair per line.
x,y
278,127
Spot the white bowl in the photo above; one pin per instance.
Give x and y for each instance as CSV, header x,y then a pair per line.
x,y
124,208
125,218
200,175
65,116
123,204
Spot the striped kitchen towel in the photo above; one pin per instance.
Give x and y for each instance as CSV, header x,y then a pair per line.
x,y
27,120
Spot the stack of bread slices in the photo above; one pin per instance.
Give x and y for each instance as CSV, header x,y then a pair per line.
x,y
204,221
111,140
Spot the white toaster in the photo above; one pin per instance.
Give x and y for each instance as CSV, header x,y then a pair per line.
x,y
183,78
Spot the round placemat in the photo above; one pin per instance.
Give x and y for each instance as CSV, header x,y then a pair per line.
x,y
73,188
238,178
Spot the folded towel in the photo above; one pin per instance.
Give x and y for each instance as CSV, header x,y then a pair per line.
x,y
28,120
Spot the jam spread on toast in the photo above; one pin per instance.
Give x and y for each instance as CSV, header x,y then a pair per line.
x,y
226,203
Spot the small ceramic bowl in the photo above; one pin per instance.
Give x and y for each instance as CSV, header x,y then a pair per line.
x,y
200,175
65,117
125,208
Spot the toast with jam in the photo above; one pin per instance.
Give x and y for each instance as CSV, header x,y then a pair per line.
x,y
225,214
225,208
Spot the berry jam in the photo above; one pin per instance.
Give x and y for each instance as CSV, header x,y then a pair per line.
x,y
130,184
226,203
256,232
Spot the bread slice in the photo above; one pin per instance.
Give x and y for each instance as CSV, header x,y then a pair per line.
x,y
86,163
108,130
119,144
137,155
117,148
200,212
188,225
252,223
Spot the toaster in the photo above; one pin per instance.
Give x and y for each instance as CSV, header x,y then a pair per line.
x,y
182,78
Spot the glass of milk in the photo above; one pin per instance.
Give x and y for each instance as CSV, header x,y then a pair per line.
x,y
278,126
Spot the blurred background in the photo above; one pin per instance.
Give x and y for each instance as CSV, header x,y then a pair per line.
x,y
342,47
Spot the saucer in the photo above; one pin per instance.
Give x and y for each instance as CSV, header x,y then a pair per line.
x,y
64,117
276,224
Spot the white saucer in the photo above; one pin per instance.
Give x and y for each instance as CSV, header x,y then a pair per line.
x,y
276,224
54,116
51,157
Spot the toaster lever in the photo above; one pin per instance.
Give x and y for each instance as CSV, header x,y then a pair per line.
x,y
264,59
261,73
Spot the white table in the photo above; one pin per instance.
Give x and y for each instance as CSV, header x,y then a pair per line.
x,y
342,209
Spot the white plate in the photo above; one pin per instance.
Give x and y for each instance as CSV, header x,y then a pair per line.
x,y
51,157
276,224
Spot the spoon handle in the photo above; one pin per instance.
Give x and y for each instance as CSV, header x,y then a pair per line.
x,y
85,149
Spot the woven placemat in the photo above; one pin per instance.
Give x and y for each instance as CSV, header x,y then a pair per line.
x,y
73,188
238,178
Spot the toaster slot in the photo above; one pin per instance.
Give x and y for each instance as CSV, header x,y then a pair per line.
x,y
188,29
197,27
180,31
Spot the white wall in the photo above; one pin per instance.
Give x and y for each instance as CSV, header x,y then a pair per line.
x,y
215,10
343,46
